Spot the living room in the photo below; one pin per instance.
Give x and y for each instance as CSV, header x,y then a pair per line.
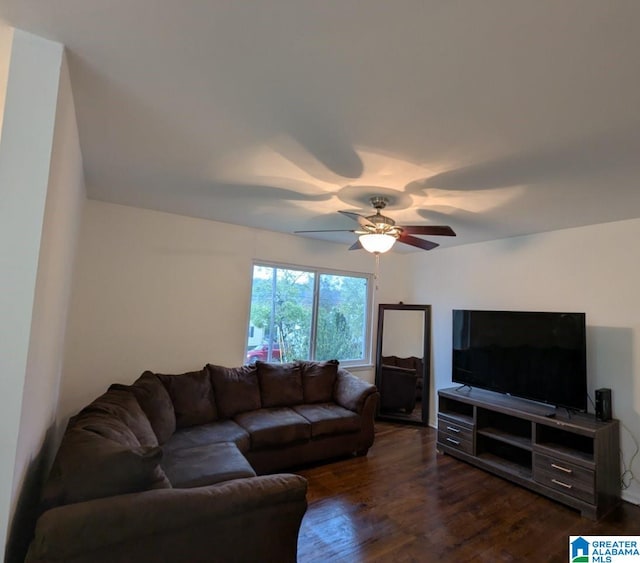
x,y
102,291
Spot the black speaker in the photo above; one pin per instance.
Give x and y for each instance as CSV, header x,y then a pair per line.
x,y
603,404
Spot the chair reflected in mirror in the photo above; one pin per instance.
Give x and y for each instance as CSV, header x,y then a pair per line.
x,y
398,389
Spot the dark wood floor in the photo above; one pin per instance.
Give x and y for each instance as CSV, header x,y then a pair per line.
x,y
406,503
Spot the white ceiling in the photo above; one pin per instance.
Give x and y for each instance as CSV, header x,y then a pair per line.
x,y
499,117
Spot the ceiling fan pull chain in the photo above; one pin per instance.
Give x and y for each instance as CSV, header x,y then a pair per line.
x,y
376,274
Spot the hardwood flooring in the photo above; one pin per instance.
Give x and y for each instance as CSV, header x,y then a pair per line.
x,y
406,503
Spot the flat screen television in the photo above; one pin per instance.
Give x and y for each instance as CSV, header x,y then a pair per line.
x,y
538,356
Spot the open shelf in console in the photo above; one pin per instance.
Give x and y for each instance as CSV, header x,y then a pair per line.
x,y
554,441
456,410
504,456
505,428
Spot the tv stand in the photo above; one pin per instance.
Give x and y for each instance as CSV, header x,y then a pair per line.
x,y
571,459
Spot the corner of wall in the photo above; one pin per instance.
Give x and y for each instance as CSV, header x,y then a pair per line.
x,y
6,41
44,204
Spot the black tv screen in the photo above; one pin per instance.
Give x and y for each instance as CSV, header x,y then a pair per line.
x,y
533,355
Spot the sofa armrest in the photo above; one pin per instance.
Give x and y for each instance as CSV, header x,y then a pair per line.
x,y
240,520
351,392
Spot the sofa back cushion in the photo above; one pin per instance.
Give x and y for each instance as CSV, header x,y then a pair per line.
x,y
192,397
117,415
89,466
155,401
318,380
280,384
236,389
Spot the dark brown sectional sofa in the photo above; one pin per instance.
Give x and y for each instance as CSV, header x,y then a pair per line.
x,y
179,468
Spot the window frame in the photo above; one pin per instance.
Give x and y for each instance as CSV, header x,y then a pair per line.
x,y
317,272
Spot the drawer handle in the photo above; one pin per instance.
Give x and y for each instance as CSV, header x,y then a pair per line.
x,y
454,442
453,429
569,471
562,484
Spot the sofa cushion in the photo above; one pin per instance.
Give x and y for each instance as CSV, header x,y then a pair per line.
x,y
214,432
108,427
118,409
280,384
192,397
236,389
89,466
156,403
276,426
205,465
318,379
329,418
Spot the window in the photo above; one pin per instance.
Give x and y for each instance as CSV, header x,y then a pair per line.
x,y
303,314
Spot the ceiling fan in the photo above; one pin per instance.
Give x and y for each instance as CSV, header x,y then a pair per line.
x,y
378,233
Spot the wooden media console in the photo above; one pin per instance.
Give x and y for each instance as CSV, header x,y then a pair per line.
x,y
571,458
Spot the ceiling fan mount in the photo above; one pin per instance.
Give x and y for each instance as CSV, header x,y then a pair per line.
x,y
379,224
378,202
384,227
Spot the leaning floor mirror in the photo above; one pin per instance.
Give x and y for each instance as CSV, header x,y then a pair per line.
x,y
403,362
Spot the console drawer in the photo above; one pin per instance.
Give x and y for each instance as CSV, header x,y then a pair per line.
x,y
455,435
565,477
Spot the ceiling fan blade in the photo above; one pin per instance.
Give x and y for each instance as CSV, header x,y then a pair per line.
x,y
356,246
361,219
328,231
433,230
418,242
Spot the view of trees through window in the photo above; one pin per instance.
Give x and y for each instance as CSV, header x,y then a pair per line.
x,y
307,315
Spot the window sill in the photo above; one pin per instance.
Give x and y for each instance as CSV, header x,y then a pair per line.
x,y
358,367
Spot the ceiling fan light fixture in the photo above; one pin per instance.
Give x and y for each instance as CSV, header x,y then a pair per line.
x,y
378,233
377,243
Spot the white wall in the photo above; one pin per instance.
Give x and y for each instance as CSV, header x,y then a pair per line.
x,y
39,214
591,269
170,293
63,210
25,149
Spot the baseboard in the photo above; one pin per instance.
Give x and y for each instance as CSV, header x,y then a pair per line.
x,y
632,497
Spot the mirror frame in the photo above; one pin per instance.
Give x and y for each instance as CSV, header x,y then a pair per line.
x,y
426,362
